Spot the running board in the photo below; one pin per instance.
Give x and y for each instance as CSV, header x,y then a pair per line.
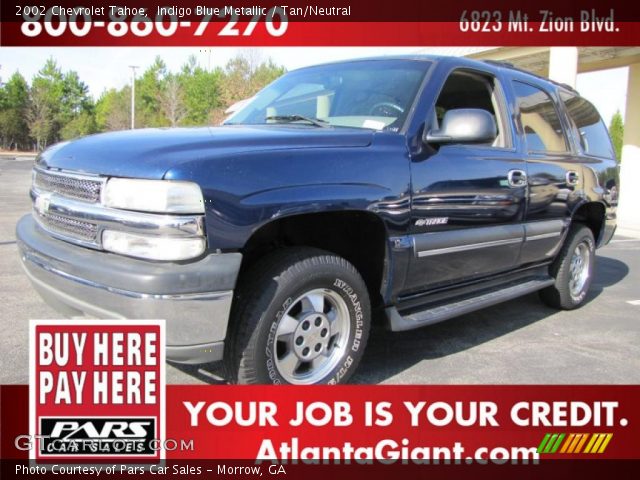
x,y
433,315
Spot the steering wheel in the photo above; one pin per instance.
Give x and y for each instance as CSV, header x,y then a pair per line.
x,y
386,109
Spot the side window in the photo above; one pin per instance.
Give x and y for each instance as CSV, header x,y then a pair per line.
x,y
539,118
465,89
592,133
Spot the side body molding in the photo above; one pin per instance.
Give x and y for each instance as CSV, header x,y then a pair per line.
x,y
452,241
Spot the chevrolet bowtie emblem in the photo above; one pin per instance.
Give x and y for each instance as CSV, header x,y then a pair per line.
x,y
42,204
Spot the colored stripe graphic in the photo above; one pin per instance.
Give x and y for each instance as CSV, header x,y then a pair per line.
x,y
543,443
576,444
555,447
583,439
550,443
607,439
573,443
569,441
592,440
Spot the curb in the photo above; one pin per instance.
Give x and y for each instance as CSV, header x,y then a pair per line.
x,y
629,231
17,158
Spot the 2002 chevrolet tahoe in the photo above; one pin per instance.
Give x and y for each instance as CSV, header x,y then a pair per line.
x,y
420,188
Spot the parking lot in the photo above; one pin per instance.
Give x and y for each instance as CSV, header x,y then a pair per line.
x,y
521,341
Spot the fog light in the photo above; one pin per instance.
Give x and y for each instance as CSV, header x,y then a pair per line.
x,y
152,248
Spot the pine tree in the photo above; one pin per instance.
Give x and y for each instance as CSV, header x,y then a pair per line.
x,y
14,103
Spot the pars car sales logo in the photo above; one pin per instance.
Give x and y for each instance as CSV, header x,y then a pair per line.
x,y
97,389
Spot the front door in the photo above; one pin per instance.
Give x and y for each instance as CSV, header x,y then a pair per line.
x,y
468,201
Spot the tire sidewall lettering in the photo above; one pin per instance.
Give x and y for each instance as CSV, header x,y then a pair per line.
x,y
270,353
348,291
357,321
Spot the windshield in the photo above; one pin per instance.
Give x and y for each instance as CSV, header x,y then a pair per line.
x,y
373,94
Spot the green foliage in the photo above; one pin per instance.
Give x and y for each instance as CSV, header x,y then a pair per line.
x,y
75,97
57,105
266,73
171,99
242,79
148,88
40,116
60,106
79,126
113,110
201,89
616,131
14,102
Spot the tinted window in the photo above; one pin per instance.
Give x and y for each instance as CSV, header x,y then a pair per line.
x,y
593,135
375,94
539,119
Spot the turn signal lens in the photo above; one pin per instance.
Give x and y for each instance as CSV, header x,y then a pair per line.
x,y
152,248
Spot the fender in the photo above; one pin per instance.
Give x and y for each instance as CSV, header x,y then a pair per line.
x,y
313,198
600,187
289,202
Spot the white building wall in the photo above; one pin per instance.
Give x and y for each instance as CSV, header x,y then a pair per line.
x,y
629,208
563,65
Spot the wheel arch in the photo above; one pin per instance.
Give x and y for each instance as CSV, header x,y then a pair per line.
x,y
358,236
593,215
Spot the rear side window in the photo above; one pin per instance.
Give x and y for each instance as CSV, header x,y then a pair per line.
x,y
539,118
591,131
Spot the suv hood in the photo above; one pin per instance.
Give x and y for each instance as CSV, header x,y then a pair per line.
x,y
150,153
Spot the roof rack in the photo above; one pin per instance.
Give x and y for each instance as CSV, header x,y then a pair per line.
x,y
500,63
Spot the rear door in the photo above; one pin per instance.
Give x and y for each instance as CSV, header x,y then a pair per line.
x,y
553,167
468,201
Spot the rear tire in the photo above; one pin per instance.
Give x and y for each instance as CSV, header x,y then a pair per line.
x,y
301,316
573,270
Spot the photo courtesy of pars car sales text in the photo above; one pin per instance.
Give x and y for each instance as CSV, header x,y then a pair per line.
x,y
319,240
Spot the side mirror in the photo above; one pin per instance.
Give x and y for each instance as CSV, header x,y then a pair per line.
x,y
464,125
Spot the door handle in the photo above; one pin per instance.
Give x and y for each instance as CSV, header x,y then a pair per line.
x,y
517,178
572,178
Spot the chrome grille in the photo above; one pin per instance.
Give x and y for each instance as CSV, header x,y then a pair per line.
x,y
80,188
68,227
68,206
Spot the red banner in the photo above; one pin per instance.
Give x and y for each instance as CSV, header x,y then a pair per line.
x,y
151,23
395,424
388,34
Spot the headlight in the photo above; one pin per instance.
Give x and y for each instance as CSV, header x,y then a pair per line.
x,y
152,248
161,196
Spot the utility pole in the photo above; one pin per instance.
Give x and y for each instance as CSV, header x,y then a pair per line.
x,y
133,95
208,52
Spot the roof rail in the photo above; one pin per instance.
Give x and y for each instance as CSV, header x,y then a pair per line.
x,y
499,63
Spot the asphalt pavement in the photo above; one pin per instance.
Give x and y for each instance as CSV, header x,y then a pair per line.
x,y
518,342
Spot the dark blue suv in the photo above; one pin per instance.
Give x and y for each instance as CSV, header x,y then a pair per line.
x,y
409,190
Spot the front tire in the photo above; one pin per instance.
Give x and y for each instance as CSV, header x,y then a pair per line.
x,y
301,316
573,270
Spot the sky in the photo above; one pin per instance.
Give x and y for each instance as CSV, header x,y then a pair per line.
x,y
108,67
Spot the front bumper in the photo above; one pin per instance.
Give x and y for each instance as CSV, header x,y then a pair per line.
x,y
194,298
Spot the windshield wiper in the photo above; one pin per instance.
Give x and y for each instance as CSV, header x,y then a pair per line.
x,y
298,118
